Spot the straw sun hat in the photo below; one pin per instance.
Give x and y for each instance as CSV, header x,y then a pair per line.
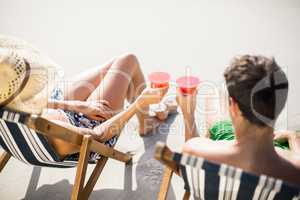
x,y
26,76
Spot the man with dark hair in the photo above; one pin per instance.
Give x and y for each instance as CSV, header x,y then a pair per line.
x,y
258,90
252,82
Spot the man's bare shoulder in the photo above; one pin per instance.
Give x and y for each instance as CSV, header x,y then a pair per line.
x,y
207,143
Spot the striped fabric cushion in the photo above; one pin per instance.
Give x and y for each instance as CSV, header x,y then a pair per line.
x,y
25,144
206,180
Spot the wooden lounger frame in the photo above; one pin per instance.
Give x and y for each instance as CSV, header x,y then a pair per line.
x,y
86,144
165,155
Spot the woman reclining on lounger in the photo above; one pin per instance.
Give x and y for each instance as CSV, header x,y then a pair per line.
x,y
91,103
258,90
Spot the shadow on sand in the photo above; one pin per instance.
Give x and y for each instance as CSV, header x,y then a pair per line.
x,y
148,178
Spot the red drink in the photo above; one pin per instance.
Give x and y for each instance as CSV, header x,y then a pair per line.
x,y
159,79
187,84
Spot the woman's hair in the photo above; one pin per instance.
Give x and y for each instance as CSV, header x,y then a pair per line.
x,y
259,86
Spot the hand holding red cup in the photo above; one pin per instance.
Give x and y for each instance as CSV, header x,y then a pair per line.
x,y
159,79
187,84
186,96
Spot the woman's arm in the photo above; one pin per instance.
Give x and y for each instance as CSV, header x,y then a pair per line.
x,y
108,129
97,110
115,125
187,103
57,104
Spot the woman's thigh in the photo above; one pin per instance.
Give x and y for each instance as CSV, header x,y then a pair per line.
x,y
115,85
81,86
109,83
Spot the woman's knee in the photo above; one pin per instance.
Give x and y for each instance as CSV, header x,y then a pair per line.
x,y
127,61
129,56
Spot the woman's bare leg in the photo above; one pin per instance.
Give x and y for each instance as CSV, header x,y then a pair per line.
x,y
116,84
117,80
82,86
86,86
125,79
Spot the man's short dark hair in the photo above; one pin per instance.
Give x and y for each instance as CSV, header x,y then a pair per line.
x,y
259,86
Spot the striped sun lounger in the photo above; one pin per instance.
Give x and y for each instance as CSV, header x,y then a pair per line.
x,y
26,144
24,137
207,180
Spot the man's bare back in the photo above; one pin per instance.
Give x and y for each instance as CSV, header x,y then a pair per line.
x,y
286,165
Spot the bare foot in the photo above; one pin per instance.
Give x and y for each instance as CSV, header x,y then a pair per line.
x,y
165,108
159,114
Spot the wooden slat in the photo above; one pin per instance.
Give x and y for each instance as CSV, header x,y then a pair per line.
x,y
94,177
4,159
52,129
165,184
81,168
57,131
165,155
110,152
186,195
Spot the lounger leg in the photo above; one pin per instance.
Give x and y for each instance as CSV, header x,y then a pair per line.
x,y
186,195
94,177
164,187
4,159
81,168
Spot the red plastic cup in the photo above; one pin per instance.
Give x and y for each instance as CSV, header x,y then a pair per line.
x,y
187,84
159,79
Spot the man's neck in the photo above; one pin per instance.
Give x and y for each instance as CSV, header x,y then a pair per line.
x,y
255,140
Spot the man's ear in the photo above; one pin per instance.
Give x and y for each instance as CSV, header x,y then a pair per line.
x,y
234,107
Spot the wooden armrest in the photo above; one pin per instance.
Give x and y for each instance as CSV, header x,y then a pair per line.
x,y
51,129
165,155
109,152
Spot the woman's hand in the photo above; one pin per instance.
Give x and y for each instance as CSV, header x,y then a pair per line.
x,y
96,110
283,136
187,103
292,137
151,96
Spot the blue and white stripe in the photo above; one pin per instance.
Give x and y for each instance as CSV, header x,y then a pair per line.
x,y
207,180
